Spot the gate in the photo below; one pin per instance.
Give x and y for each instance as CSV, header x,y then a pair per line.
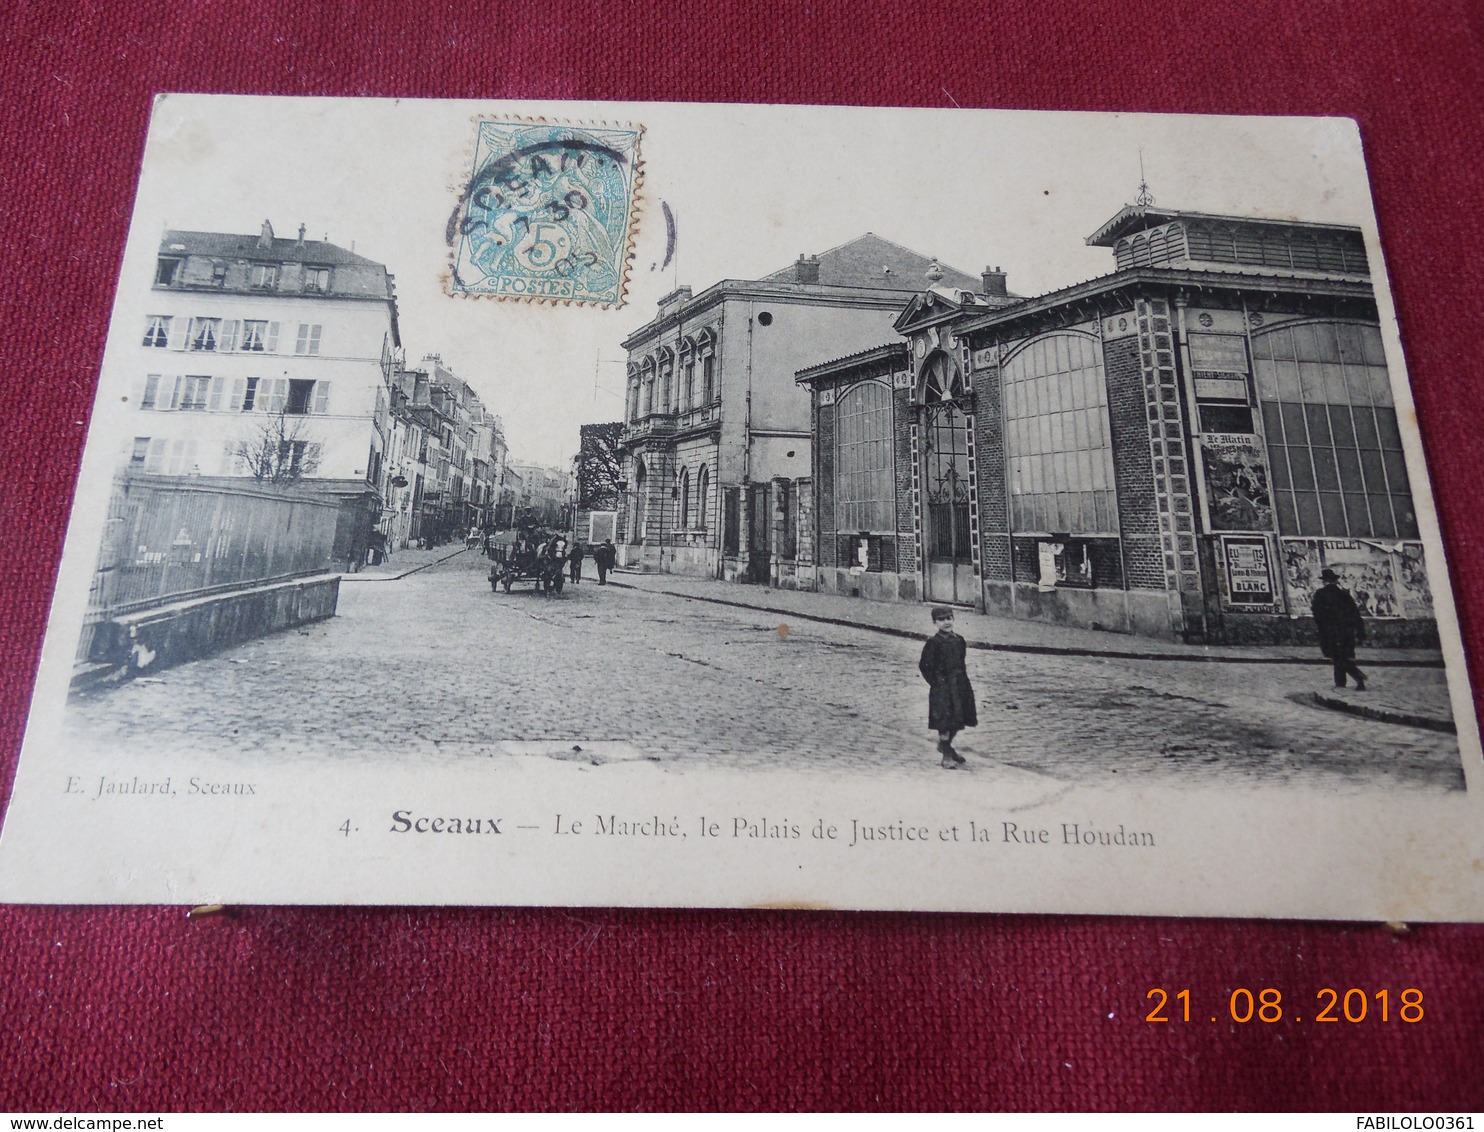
x,y
950,565
759,519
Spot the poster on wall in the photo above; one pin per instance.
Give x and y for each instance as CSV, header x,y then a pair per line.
x,y
1250,582
1236,470
602,526
1047,555
1387,580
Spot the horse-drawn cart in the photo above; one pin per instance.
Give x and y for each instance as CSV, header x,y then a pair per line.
x,y
528,556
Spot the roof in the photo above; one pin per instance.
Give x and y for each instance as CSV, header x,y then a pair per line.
x,y
277,250
1266,279
1137,218
889,353
871,261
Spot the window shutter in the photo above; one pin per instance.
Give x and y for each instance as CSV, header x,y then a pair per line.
x,y
228,461
178,328
272,344
277,394
151,391
189,465
311,459
156,458
314,332
229,335
321,396
214,401
239,390
175,392
301,342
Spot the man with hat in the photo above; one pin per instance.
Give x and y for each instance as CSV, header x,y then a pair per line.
x,y
1341,628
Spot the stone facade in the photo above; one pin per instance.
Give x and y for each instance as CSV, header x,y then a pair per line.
x,y
717,451
268,358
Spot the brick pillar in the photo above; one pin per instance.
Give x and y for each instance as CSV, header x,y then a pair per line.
x,y
1169,452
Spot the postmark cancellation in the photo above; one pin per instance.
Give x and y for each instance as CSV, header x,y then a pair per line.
x,y
548,212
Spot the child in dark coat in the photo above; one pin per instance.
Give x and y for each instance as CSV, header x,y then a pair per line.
x,y
951,697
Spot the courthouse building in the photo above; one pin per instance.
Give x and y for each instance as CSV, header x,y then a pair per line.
x,y
716,451
1176,449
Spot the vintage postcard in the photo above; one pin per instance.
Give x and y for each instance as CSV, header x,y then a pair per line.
x,y
594,504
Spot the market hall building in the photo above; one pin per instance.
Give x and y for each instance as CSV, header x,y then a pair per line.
x,y
1176,449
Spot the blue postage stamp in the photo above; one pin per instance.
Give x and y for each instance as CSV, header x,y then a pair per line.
x,y
548,213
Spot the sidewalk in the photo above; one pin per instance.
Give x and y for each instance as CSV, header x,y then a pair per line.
x,y
1418,698
404,562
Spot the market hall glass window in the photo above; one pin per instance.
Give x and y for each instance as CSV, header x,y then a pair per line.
x,y
1056,438
1333,443
864,472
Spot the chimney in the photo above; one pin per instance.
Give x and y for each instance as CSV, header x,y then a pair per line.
x,y
265,236
807,270
674,300
301,236
994,284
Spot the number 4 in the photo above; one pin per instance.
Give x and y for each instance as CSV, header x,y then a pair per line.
x,y
345,829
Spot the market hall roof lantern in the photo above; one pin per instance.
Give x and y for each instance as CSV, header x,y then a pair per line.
x,y
1142,235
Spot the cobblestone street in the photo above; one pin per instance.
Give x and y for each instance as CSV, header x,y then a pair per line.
x,y
432,666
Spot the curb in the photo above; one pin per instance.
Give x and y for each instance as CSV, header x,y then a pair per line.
x,y
1035,650
91,675
1386,715
407,574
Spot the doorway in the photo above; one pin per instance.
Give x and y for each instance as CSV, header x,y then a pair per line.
x,y
759,559
947,542
641,494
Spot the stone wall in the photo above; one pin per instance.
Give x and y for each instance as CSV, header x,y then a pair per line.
x,y
136,643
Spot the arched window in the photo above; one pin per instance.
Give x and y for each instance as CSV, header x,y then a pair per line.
x,y
703,492
1158,247
688,371
1057,446
706,351
667,381
647,398
684,498
1334,448
864,468
940,379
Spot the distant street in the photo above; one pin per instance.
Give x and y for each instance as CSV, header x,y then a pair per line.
x,y
434,667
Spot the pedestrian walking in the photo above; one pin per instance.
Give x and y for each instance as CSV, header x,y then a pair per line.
x,y
605,556
574,561
1341,628
950,697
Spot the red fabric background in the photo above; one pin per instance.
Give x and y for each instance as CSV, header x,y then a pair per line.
x,y
138,1009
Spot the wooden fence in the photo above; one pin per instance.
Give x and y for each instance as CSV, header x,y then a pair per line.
x,y
173,538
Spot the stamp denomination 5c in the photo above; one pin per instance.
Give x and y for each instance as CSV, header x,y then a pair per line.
x,y
548,213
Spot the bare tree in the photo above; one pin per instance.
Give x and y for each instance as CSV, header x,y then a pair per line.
x,y
278,449
597,467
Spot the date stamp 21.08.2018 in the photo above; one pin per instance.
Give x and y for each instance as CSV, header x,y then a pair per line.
x,y
548,213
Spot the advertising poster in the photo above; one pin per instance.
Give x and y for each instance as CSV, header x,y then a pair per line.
x,y
1250,579
1237,482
